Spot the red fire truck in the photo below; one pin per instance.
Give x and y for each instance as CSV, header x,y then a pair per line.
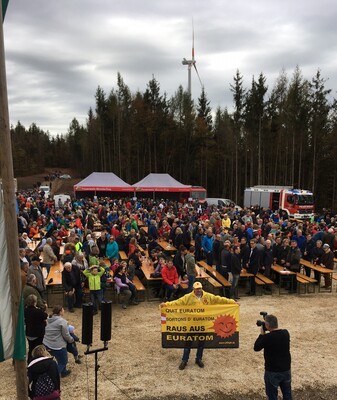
x,y
297,203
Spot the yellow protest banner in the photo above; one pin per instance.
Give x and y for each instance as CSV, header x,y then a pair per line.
x,y
217,326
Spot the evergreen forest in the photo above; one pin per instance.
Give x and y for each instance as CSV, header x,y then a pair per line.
x,y
284,135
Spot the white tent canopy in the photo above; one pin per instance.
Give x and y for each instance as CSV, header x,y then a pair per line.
x,y
160,183
103,182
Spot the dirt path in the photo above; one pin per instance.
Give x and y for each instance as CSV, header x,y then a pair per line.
x,y
136,367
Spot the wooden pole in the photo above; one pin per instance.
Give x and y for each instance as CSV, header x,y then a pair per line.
x,y
11,231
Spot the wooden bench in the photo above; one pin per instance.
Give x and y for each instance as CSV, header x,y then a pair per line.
x,y
260,284
321,271
145,229
306,281
302,281
123,256
216,286
334,278
224,282
139,286
266,282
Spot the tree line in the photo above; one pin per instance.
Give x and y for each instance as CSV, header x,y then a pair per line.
x,y
282,136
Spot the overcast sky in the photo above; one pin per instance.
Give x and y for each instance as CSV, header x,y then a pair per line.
x,y
59,51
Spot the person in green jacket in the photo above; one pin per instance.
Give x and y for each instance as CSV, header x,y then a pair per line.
x,y
195,298
93,275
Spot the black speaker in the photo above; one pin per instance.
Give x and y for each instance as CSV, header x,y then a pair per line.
x,y
106,321
87,323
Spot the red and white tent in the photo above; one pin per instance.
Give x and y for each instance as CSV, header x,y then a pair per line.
x,y
165,184
160,183
102,182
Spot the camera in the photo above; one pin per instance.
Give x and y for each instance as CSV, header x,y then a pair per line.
x,y
260,322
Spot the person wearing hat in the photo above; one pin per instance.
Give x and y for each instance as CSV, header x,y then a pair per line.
x,y
195,298
327,262
36,269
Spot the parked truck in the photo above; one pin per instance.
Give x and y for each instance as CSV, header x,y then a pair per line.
x,y
297,203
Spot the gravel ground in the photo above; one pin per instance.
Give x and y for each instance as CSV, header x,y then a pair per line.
x,y
136,367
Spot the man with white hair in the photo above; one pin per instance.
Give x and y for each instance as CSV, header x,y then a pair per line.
x,y
71,281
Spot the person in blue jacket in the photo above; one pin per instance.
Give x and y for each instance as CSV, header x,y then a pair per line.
x,y
112,250
207,245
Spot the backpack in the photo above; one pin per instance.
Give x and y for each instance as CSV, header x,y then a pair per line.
x,y
44,385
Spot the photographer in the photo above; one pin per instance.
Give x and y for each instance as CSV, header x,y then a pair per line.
x,y
276,345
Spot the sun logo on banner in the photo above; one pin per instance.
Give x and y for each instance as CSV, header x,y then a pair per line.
x,y
225,326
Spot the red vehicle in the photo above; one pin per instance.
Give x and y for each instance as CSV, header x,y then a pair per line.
x,y
297,203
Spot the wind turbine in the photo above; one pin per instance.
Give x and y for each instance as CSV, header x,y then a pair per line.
x,y
191,63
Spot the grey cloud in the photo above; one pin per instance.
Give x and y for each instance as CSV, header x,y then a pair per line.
x,y
58,52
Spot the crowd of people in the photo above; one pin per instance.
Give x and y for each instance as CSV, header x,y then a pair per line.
x,y
231,240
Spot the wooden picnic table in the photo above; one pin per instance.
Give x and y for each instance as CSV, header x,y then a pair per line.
x,y
214,273
283,274
166,246
148,269
201,273
32,245
321,270
55,273
145,229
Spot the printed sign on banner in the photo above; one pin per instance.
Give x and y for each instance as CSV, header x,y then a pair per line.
x,y
217,326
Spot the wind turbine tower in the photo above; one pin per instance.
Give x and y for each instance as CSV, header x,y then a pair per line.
x,y
191,63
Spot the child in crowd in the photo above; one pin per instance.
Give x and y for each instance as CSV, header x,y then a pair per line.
x,y
93,257
114,265
94,274
105,278
71,347
131,268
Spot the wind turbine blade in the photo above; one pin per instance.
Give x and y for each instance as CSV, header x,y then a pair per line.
x,y
196,70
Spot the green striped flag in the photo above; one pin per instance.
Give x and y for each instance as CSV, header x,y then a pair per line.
x,y
4,8
12,344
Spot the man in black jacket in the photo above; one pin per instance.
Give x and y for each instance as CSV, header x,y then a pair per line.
x,y
71,281
276,345
253,265
293,263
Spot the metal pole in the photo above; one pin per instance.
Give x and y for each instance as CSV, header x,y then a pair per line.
x,y
96,375
96,351
11,231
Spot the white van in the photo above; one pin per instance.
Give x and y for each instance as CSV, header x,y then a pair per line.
x,y
46,190
213,201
